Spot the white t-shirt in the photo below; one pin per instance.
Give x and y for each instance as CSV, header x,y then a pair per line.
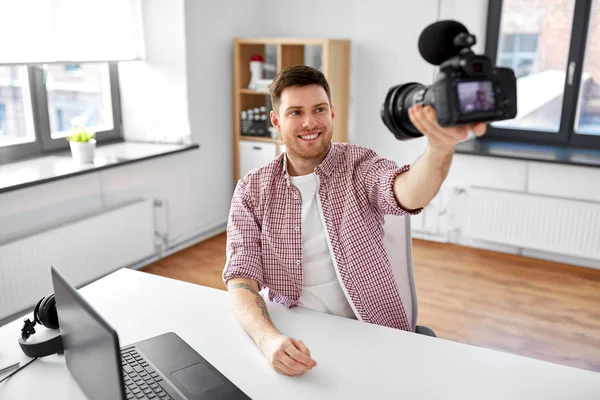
x,y
321,287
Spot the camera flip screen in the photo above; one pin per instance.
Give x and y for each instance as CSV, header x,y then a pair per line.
x,y
475,96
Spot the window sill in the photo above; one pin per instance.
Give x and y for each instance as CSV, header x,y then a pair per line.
x,y
531,152
61,165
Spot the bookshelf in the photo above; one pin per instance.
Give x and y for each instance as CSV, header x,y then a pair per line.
x,y
331,56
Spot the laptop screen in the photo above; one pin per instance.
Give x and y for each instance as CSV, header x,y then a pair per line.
x,y
91,346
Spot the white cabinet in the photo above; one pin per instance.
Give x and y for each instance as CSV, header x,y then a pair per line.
x,y
255,154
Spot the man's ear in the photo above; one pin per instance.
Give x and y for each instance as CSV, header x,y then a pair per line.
x,y
332,112
274,119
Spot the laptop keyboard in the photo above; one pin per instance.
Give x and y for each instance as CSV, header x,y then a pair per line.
x,y
141,380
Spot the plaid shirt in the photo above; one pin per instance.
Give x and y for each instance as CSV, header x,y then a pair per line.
x,y
264,232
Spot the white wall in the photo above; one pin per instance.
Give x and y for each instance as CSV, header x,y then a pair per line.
x,y
33,209
210,30
154,91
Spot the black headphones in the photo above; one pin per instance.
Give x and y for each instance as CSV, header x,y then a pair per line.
x,y
44,314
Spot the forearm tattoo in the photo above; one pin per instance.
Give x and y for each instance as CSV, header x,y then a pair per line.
x,y
258,300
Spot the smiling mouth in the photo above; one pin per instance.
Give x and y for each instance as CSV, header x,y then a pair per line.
x,y
310,136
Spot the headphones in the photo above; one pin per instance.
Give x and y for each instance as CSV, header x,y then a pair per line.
x,y
44,314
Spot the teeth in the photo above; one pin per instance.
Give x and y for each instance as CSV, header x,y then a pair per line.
x,y
308,137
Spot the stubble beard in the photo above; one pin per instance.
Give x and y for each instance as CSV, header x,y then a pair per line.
x,y
298,152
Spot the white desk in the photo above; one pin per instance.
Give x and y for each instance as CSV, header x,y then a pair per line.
x,y
355,360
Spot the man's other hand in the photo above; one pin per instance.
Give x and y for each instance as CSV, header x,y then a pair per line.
x,y
287,356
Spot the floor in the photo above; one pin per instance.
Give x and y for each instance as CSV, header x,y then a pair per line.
x,y
535,308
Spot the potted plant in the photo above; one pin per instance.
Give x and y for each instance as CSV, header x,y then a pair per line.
x,y
83,144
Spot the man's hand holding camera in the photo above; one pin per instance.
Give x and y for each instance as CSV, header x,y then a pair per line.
x,y
417,187
442,140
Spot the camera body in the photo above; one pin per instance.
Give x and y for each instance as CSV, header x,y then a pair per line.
x,y
470,89
467,89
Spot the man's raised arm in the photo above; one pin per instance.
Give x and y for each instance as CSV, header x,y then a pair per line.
x,y
416,188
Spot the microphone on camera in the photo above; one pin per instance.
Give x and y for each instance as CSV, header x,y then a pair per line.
x,y
437,41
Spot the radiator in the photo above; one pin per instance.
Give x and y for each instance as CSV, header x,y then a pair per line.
x,y
83,251
551,224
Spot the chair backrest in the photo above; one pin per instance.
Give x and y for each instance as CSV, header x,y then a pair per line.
x,y
398,245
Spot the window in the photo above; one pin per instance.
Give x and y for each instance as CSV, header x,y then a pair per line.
x,y
78,96
588,105
3,131
518,51
58,68
16,118
554,48
39,105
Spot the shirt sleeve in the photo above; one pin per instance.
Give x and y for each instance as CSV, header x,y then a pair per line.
x,y
243,249
379,175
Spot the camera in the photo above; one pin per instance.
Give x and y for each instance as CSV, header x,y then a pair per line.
x,y
467,89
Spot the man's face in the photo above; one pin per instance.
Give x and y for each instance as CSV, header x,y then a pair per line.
x,y
305,121
480,95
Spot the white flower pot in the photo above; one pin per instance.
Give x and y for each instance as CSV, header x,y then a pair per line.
x,y
83,152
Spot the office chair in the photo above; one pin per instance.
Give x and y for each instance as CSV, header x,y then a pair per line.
x,y
398,245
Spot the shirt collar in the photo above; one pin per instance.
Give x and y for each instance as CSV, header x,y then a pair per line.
x,y
284,169
326,167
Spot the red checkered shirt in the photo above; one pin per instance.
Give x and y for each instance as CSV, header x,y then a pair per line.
x,y
264,233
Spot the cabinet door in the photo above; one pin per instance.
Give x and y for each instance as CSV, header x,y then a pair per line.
x,y
255,154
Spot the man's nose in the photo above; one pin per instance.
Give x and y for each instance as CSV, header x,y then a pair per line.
x,y
309,122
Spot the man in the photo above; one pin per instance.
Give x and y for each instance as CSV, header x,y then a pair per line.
x,y
308,227
481,103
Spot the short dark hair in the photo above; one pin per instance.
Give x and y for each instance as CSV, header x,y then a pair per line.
x,y
296,75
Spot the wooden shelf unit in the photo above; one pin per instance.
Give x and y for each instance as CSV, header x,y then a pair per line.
x,y
332,56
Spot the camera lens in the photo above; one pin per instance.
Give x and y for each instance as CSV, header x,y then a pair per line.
x,y
394,110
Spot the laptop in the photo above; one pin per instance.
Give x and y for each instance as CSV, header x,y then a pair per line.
x,y
158,368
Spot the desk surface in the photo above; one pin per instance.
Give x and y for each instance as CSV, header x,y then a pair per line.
x,y
355,359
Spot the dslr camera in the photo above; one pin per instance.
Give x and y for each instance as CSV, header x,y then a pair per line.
x,y
467,89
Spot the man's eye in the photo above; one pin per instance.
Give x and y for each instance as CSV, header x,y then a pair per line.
x,y
294,113
320,109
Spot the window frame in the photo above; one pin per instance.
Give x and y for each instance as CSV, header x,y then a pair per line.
x,y
566,135
44,143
